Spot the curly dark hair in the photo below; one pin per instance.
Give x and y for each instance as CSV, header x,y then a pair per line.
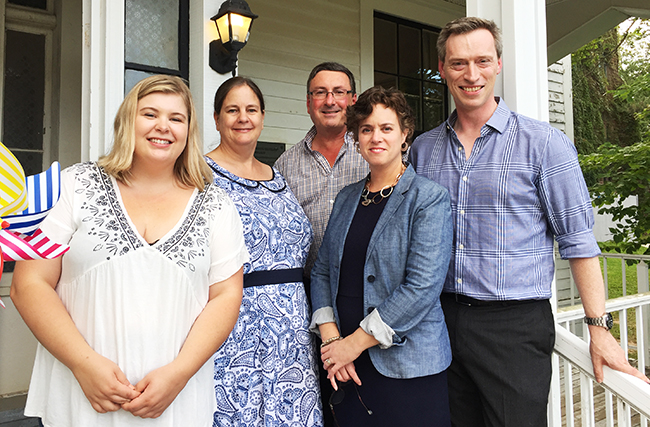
x,y
390,98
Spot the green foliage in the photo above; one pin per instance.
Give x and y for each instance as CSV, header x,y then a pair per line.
x,y
617,173
635,73
599,117
611,80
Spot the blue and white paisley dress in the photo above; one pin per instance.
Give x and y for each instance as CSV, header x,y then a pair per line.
x,y
265,373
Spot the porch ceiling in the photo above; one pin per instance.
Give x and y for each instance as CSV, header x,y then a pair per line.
x,y
571,24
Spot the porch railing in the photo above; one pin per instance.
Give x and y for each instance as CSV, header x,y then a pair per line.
x,y
621,400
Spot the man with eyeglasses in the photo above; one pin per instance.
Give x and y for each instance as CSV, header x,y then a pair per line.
x,y
326,160
323,162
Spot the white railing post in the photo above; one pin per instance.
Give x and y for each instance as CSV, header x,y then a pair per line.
x,y
644,286
625,397
555,394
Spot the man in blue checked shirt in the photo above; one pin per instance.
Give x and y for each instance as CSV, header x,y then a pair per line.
x,y
515,185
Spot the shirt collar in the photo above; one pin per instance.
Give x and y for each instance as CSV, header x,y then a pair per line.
x,y
498,121
348,142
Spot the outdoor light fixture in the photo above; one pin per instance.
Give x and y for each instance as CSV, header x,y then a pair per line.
x,y
233,23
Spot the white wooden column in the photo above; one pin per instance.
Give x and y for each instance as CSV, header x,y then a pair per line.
x,y
102,80
523,83
204,81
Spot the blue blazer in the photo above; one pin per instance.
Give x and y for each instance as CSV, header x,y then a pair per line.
x,y
406,264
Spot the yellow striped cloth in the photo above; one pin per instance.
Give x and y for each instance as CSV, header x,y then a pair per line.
x,y
13,196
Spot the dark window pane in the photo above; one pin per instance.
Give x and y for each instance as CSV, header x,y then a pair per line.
x,y
411,89
409,51
416,66
268,152
38,4
32,161
433,105
132,77
430,59
23,98
8,267
385,46
385,80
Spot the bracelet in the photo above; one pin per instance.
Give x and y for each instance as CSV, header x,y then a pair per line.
x,y
330,341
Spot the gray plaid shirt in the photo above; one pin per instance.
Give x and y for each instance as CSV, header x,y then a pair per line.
x,y
315,184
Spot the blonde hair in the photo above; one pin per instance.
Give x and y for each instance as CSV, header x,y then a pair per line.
x,y
190,168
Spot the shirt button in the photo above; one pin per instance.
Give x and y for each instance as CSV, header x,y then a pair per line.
x,y
331,202
460,148
462,212
464,178
371,278
461,246
460,280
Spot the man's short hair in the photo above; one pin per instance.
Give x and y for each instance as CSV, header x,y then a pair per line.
x,y
464,25
332,66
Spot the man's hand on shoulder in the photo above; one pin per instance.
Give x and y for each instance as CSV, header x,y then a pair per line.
x,y
605,350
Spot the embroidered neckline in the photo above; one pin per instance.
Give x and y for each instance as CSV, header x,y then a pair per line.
x,y
134,239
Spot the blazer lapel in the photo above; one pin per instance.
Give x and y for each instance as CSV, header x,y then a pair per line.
x,y
394,202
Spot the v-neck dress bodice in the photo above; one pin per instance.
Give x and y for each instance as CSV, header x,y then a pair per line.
x,y
134,303
265,373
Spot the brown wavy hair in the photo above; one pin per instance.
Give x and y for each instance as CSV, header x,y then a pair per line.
x,y
390,98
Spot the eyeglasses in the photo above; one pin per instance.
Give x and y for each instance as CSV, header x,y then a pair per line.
x,y
337,397
336,93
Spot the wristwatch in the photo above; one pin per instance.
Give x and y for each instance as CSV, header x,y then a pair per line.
x,y
605,321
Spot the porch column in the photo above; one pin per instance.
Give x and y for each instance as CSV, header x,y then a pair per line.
x,y
102,83
204,81
523,83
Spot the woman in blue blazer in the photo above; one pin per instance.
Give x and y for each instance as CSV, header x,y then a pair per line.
x,y
377,281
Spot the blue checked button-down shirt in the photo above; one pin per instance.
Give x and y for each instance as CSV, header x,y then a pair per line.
x,y
315,183
521,187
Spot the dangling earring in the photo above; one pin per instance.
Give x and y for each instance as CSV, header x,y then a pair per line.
x,y
356,146
403,145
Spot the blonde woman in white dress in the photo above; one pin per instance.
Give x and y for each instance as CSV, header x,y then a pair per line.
x,y
151,285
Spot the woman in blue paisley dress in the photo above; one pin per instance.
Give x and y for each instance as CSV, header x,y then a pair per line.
x,y
265,372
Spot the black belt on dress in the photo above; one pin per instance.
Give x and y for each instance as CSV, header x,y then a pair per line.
x,y
271,277
472,302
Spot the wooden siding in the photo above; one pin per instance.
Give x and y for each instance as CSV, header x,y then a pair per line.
x,y
560,117
288,39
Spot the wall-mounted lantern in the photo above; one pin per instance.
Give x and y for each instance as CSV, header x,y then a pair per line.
x,y
233,23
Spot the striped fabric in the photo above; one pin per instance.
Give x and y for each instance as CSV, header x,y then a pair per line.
x,y
43,191
520,188
13,197
20,247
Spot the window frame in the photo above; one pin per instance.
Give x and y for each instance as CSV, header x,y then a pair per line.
x,y
420,27
183,47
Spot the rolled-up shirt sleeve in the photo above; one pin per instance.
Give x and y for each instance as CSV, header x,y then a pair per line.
x,y
373,325
321,316
565,199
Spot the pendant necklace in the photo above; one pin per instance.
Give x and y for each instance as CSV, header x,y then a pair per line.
x,y
382,194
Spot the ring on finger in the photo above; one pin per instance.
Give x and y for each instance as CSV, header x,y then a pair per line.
x,y
328,361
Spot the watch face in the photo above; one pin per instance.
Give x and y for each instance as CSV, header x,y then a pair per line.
x,y
609,321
